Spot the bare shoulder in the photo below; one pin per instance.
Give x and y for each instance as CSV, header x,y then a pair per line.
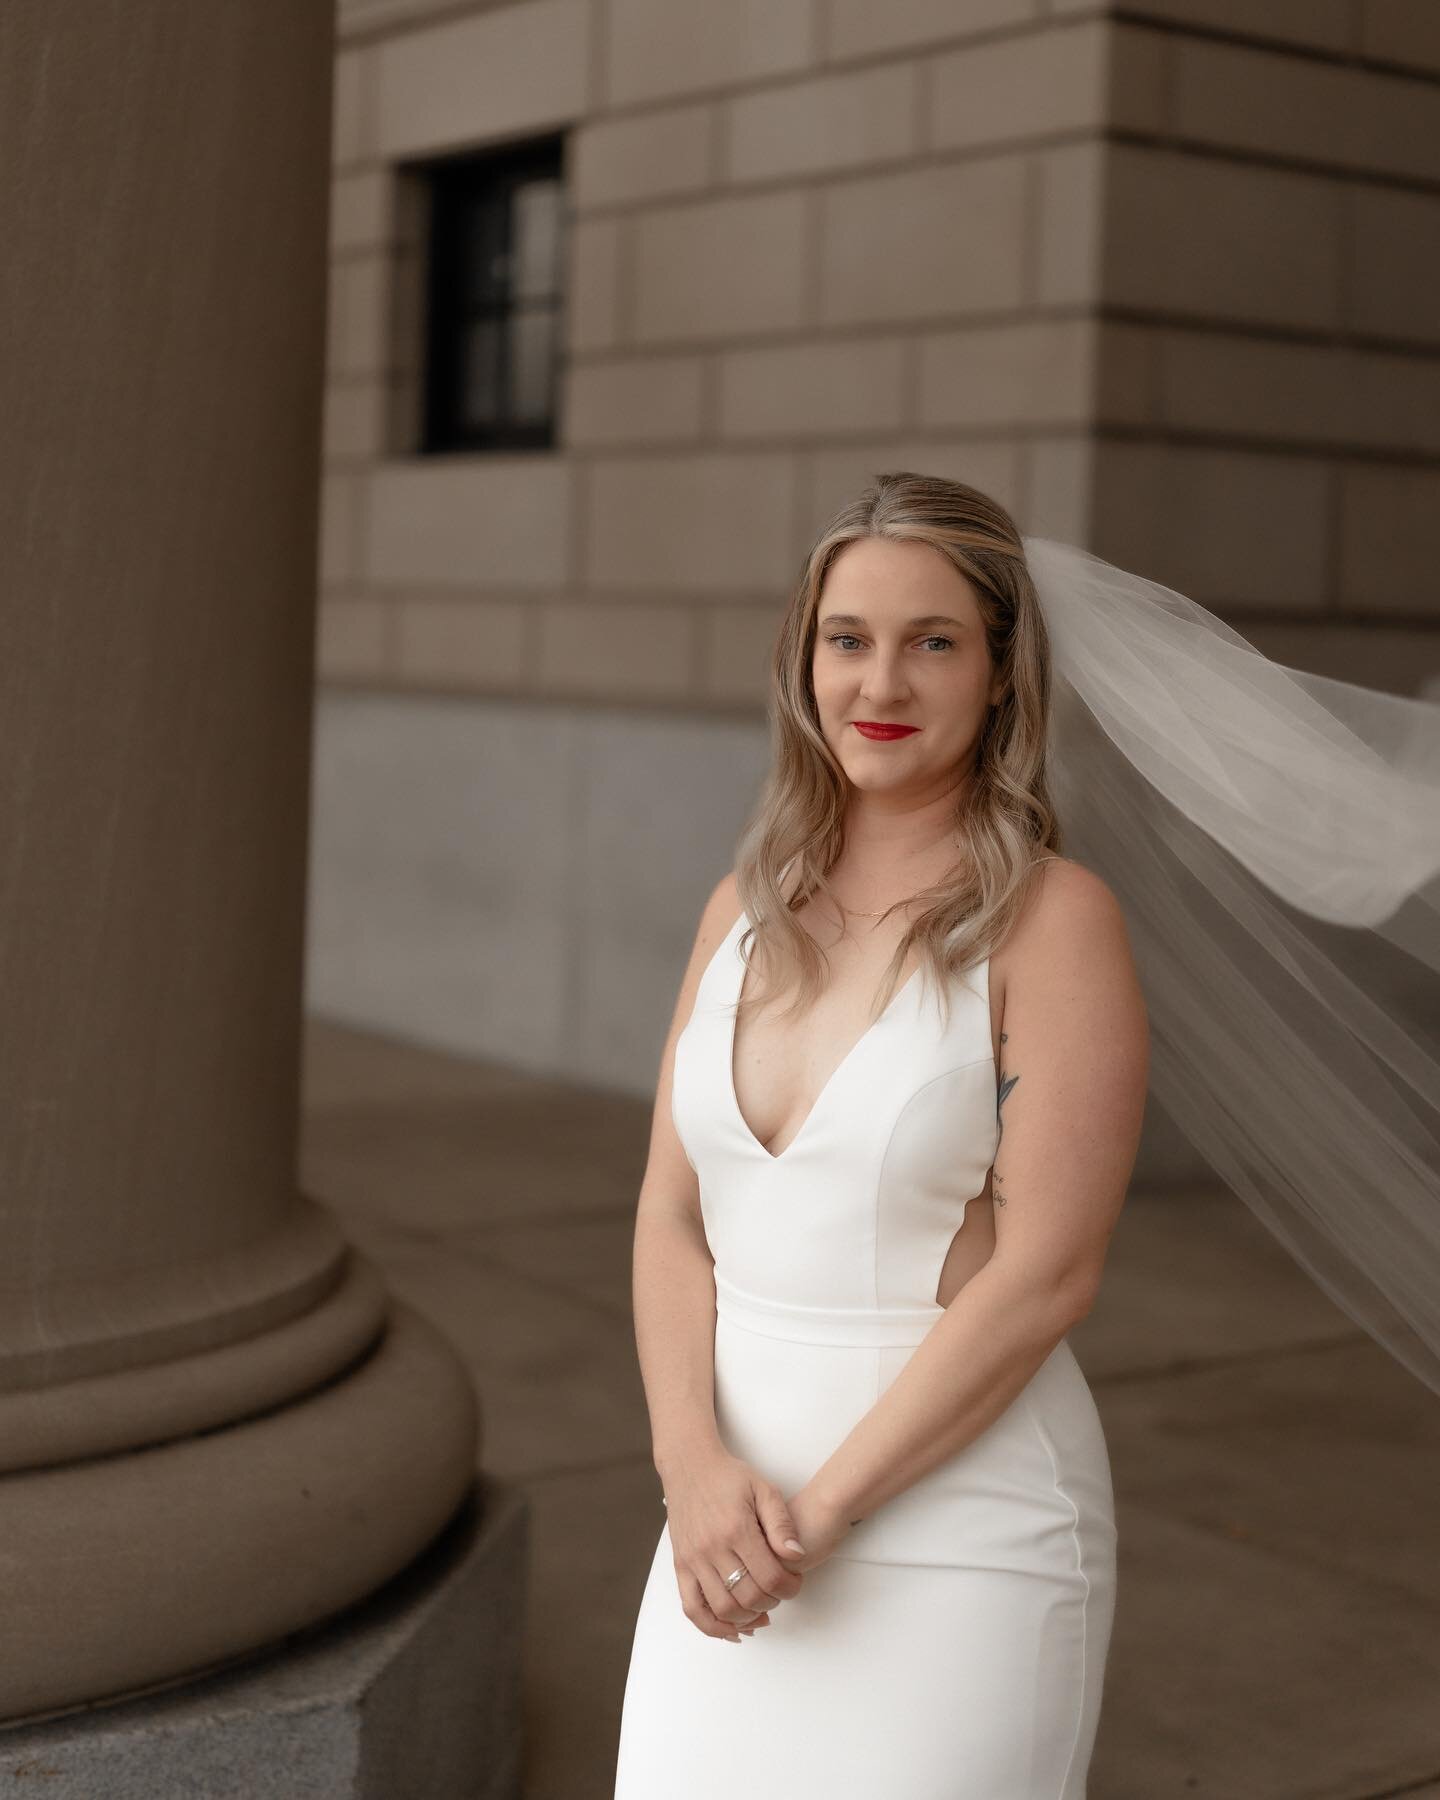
x,y
1069,901
726,895
722,909
670,1187
1071,921
717,917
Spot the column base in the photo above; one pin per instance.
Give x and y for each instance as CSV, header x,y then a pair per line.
x,y
413,1691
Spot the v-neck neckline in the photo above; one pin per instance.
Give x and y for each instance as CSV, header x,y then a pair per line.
x,y
773,1156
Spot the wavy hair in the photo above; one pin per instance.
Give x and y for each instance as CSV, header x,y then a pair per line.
x,y
1004,816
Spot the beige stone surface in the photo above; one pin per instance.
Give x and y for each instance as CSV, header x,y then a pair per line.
x,y
633,401
1041,373
515,1330
1230,528
1007,89
689,523
860,28
403,1138
1136,77
737,645
369,19
842,120
352,639
608,648
1244,1298
1126,358
469,520
1229,241
667,150
1069,256
814,390
1059,478
464,641
662,47
354,419
726,267
1387,539
360,209
1277,104
595,1533
340,501
593,260
1402,32
464,80
1316,24
352,118
1277,1631
201,1389
439,906
882,258
1397,660
1246,1670
960,184
1322,395
1396,251
1201,1443
358,292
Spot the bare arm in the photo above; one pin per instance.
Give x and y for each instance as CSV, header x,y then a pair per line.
x,y
1072,1082
673,1283
723,1514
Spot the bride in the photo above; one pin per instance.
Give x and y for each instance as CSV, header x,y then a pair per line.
x,y
898,1110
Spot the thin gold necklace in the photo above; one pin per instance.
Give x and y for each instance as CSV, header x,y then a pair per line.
x,y
856,913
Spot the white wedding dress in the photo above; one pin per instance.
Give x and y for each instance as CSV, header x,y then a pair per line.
x,y
954,1646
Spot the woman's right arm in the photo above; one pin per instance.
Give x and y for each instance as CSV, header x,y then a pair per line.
x,y
719,1509
673,1270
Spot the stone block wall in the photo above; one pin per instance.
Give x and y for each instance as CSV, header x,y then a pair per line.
x,y
1159,275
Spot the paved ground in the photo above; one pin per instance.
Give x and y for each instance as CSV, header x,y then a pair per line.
x,y
1277,1632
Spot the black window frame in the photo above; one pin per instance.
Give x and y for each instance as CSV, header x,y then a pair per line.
x,y
457,185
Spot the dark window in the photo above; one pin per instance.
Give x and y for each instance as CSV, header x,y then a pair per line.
x,y
493,303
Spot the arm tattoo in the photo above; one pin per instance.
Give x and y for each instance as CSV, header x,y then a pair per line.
x,y
1006,1083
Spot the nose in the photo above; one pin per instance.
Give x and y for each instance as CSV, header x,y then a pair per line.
x,y
884,681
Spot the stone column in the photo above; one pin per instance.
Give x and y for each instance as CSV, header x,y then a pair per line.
x,y
215,1426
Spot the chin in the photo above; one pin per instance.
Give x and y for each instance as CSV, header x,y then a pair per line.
x,y
873,780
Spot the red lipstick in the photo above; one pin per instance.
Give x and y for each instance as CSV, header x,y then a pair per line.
x,y
872,728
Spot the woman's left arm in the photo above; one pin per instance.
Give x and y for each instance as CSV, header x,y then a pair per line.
x,y
1074,1066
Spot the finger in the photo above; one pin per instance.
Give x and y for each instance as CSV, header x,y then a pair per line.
x,y
721,1600
697,1608
729,1612
768,1580
748,1595
778,1523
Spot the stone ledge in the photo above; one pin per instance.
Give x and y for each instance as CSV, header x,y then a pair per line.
x,y
413,1691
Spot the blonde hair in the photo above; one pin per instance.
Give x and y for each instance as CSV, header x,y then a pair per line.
x,y
1004,816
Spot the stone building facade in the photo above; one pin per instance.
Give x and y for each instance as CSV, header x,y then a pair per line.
x,y
1160,276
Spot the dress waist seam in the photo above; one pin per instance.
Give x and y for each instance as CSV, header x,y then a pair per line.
x,y
861,1326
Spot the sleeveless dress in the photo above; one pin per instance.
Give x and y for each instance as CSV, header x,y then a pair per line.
x,y
953,1646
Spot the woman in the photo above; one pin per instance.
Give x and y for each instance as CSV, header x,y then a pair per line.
x,y
864,1233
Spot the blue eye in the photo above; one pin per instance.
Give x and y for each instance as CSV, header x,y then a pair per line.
x,y
837,637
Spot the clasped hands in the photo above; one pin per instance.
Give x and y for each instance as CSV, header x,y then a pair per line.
x,y
724,1515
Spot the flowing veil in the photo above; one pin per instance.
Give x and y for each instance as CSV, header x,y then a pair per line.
x,y
1273,838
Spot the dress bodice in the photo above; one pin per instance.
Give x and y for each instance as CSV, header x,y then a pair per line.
x,y
859,1209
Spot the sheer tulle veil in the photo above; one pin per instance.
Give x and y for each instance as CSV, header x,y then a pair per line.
x,y
1273,838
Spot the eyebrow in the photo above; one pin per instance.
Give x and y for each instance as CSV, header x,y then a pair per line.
x,y
910,624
